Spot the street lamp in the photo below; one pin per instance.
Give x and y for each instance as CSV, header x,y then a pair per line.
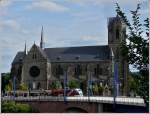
x,y
65,84
14,85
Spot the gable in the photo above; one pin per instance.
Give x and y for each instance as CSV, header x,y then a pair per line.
x,y
36,54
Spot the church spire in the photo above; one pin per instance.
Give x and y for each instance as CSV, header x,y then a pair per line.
x,y
25,48
42,42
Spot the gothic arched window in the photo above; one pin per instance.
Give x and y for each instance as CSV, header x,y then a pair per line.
x,y
117,33
98,70
78,70
59,70
34,56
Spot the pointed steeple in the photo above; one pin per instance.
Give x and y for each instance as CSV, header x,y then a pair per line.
x,y
25,48
42,42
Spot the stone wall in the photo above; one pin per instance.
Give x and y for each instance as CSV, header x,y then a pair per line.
x,y
35,58
62,107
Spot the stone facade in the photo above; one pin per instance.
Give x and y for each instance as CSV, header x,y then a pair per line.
x,y
41,66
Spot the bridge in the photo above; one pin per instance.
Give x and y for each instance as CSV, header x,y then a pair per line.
x,y
90,104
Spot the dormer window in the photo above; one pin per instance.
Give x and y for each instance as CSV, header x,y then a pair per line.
x,y
77,57
59,57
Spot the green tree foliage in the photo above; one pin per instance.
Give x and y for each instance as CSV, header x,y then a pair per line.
x,y
95,89
55,85
138,38
12,107
6,85
100,89
74,84
23,87
137,48
133,82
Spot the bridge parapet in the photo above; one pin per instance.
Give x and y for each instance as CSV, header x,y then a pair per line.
x,y
98,99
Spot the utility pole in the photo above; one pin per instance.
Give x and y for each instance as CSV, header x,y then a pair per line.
x,y
115,82
65,87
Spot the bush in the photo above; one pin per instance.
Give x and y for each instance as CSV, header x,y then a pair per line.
x,y
55,85
23,87
74,84
13,107
100,90
8,87
95,89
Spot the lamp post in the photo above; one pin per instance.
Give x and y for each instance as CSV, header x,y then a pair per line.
x,y
29,87
65,84
14,85
89,82
116,88
114,66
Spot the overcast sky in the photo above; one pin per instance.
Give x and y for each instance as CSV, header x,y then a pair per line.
x,y
65,22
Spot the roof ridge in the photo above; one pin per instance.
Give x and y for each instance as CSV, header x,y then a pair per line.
x,y
77,46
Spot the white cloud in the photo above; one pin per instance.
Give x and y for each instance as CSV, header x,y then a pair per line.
x,y
99,2
3,6
94,39
12,24
4,3
47,5
89,38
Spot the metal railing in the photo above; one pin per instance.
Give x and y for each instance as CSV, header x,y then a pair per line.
x,y
98,99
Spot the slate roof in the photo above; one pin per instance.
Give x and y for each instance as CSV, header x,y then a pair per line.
x,y
42,51
71,54
83,53
19,57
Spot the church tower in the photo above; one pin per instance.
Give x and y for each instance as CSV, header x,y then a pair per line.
x,y
42,40
117,34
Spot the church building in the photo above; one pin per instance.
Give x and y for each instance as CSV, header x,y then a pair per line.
x,y
41,66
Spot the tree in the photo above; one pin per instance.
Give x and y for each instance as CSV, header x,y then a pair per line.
x,y
74,84
100,89
95,89
55,85
137,48
133,82
23,87
13,107
6,85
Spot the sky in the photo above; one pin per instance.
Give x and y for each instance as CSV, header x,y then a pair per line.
x,y
66,23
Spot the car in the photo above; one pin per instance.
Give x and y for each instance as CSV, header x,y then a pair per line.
x,y
79,91
75,92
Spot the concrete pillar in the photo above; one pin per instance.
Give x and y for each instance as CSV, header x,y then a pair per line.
x,y
99,107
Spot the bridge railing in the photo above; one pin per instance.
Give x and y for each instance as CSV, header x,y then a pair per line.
x,y
98,99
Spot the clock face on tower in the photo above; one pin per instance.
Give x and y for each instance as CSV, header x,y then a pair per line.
x,y
34,71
